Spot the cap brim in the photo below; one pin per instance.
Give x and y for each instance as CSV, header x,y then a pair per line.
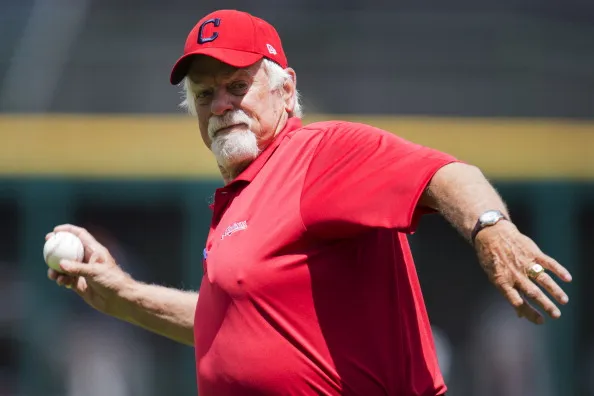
x,y
231,57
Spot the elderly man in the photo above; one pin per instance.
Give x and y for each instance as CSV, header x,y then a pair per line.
x,y
309,285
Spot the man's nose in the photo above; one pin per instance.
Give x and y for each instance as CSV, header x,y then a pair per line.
x,y
221,102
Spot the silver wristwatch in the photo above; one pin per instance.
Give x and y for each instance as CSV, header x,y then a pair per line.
x,y
487,219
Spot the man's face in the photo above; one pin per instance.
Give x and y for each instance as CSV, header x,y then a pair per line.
x,y
238,111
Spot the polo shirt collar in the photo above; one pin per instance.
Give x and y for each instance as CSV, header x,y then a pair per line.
x,y
254,168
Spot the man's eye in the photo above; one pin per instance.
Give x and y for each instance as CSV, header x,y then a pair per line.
x,y
238,88
203,94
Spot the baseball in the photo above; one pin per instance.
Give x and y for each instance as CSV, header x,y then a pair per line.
x,y
62,246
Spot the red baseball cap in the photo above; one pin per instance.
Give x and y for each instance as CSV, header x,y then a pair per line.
x,y
233,37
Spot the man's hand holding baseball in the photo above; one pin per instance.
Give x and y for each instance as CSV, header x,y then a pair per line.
x,y
106,287
98,279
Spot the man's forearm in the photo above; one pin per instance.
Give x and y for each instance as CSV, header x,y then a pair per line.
x,y
461,193
165,311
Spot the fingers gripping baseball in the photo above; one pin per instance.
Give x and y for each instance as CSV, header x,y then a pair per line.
x,y
96,278
75,272
89,242
74,268
65,265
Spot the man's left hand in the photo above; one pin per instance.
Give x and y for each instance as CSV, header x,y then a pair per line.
x,y
507,255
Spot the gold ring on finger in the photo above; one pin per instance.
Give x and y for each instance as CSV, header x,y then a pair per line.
x,y
535,271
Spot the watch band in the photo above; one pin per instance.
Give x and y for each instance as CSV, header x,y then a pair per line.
x,y
477,227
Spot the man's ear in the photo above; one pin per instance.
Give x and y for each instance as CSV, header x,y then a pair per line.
x,y
288,90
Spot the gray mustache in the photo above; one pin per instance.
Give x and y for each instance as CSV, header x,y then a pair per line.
x,y
217,123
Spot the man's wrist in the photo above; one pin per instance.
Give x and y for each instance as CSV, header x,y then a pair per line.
x,y
487,219
493,231
129,298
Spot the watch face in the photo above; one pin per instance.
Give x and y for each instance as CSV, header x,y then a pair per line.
x,y
491,217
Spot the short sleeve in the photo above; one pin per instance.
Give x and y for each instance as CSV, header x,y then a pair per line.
x,y
361,177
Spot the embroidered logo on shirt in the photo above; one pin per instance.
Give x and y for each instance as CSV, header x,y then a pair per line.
x,y
233,228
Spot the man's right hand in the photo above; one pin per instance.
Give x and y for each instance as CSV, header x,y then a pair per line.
x,y
97,279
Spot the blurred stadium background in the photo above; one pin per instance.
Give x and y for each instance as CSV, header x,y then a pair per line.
x,y
92,134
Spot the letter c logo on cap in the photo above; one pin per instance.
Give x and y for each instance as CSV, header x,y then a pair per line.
x,y
202,40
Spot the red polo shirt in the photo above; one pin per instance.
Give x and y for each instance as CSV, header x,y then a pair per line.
x,y
310,287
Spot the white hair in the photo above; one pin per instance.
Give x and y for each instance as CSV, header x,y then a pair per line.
x,y
277,77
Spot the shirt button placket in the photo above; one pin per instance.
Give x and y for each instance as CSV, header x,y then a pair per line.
x,y
220,204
